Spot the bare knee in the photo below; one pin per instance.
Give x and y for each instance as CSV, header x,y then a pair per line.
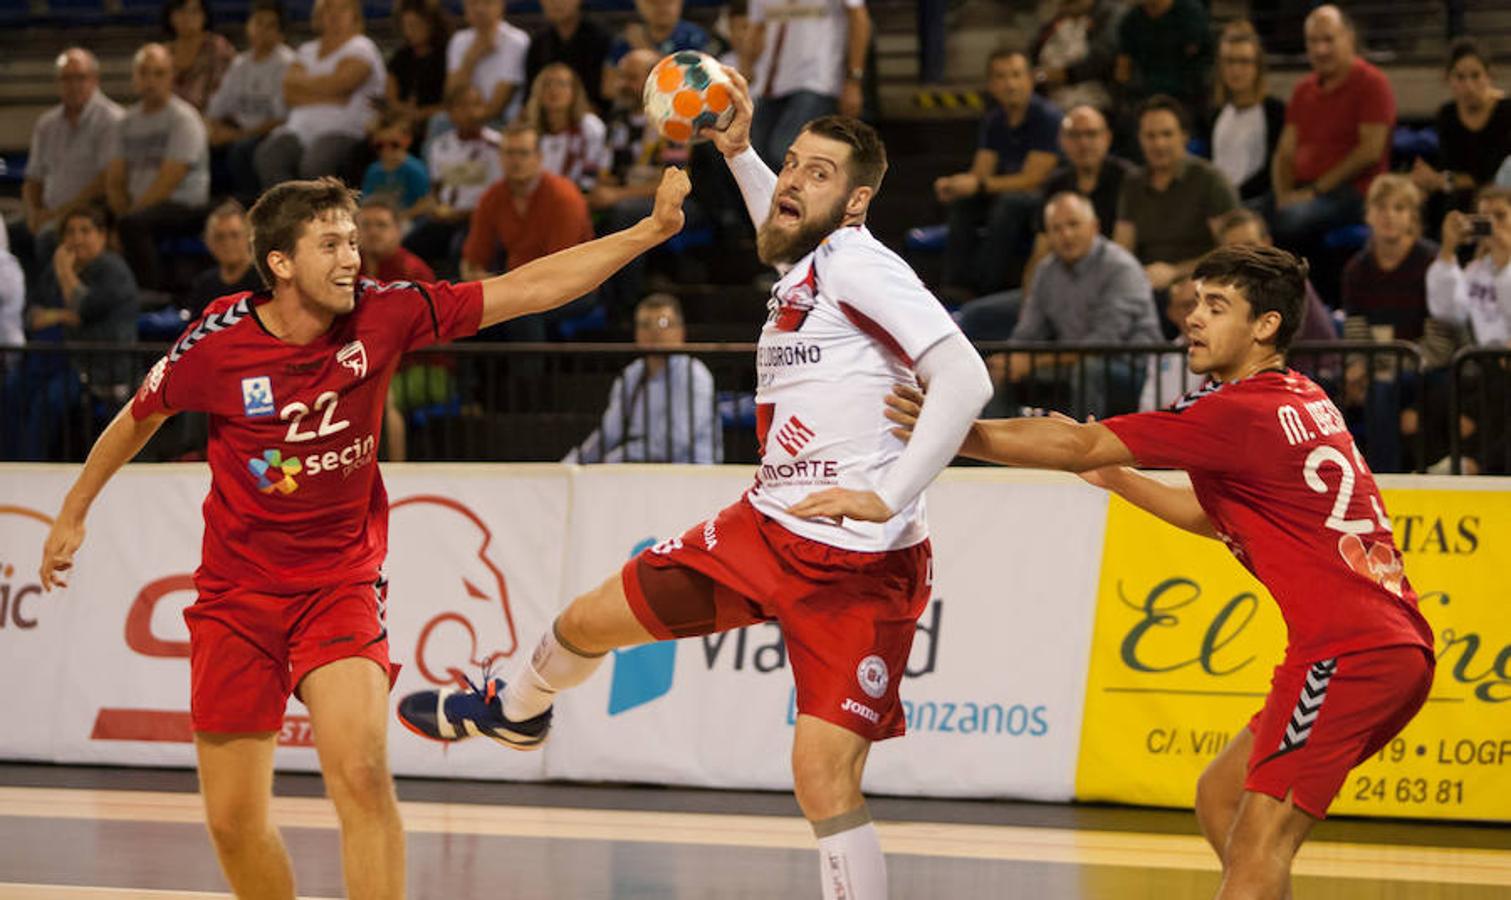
x,y
826,785
235,823
361,785
600,621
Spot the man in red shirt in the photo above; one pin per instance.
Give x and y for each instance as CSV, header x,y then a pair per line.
x,y
1276,477
1336,137
528,214
296,522
383,257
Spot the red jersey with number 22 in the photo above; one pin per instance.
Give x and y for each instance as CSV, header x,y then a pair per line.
x,y
1279,476
296,502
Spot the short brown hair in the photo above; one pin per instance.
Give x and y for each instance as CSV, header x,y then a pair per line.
x,y
868,155
278,218
661,301
1270,279
520,126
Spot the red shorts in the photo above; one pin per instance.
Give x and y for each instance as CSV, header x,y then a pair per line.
x,y
248,651
847,617
1322,719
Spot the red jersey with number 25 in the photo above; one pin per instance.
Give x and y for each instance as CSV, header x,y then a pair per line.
x,y
1276,470
296,502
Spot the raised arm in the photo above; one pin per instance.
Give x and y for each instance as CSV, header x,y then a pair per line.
x,y
122,440
562,277
756,180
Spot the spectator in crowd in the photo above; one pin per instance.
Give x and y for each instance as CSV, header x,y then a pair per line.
x,y
158,179
659,27
662,407
573,141
807,59
463,162
627,190
417,70
229,238
89,291
1092,172
249,103
383,256
1245,227
12,298
1249,121
1088,290
200,56
70,147
1165,47
330,89
1075,52
1479,295
1474,132
734,27
527,215
395,174
1015,153
86,293
1168,377
1385,299
1503,175
489,55
1168,208
1336,137
1385,283
575,40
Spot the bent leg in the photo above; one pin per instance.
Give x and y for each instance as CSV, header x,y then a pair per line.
x,y
1257,859
827,764
236,781
348,703
1219,790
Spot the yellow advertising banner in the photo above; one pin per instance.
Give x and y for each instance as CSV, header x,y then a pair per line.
x,y
1185,642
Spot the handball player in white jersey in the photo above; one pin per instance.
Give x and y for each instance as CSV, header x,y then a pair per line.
x,y
830,542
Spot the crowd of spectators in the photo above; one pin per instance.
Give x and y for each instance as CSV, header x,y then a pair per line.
x,y
1216,159
1124,142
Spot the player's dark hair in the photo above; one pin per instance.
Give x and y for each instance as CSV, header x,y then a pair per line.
x,y
868,155
1170,105
279,216
1270,279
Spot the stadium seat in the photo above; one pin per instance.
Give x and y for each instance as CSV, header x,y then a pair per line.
x,y
76,12
691,239
1407,143
1346,237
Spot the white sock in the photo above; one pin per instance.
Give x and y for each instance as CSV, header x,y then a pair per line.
x,y
554,666
851,866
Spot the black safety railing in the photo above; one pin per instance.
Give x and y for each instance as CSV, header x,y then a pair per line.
x,y
696,402
1479,412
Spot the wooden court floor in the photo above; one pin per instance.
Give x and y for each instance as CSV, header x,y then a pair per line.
x,y
107,834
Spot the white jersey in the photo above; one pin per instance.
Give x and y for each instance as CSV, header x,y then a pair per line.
x,y
846,323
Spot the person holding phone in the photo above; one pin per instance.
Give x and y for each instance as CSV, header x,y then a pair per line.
x,y
1479,294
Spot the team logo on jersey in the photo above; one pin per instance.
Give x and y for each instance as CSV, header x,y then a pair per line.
x,y
257,396
354,357
793,436
154,379
274,473
872,675
1379,562
790,307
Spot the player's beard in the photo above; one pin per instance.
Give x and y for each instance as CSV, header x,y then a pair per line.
x,y
783,248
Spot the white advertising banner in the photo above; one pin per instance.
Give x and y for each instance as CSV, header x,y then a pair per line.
x,y
480,560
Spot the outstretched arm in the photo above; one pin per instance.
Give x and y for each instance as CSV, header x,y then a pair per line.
x,y
123,439
1175,503
562,277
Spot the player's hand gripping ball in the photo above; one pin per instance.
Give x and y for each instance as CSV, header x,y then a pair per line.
x,y
685,93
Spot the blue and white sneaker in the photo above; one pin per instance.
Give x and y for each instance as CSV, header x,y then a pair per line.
x,y
452,714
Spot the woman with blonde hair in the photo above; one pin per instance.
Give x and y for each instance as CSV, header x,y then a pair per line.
x,y
1249,120
573,141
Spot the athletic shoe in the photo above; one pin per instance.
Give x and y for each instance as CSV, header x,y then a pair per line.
x,y
451,714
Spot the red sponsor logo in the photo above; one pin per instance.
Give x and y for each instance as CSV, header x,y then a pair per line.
x,y
793,436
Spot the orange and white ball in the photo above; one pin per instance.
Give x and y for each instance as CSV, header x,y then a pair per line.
x,y
685,93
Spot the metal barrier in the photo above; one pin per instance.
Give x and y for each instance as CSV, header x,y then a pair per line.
x,y
696,403
1479,412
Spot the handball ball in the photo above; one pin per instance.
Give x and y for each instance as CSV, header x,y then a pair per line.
x,y
685,93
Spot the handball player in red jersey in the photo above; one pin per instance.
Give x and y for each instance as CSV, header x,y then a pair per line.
x,y
1276,477
291,593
